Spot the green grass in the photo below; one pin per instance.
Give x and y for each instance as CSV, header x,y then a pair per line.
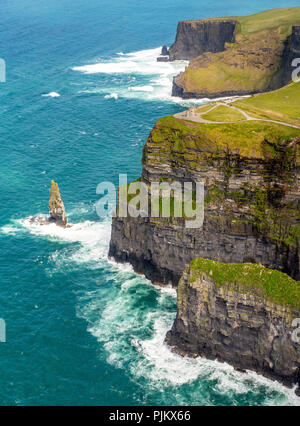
x,y
246,138
223,114
275,286
269,20
202,109
280,105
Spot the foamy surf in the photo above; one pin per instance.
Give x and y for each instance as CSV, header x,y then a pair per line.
x,y
139,66
132,333
93,238
51,95
112,96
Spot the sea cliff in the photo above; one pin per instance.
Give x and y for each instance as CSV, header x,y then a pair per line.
x,y
236,56
196,37
251,199
239,314
238,298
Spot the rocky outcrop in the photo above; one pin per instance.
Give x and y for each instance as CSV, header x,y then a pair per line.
x,y
179,90
56,206
57,213
238,324
164,56
196,37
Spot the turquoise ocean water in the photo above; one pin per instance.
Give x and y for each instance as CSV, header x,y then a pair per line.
x,y
82,329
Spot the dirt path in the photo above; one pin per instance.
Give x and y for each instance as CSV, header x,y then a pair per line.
x,y
197,117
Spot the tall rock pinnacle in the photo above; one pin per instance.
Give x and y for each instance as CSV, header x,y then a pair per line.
x,y
56,206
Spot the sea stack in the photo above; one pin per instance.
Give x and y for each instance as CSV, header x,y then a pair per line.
x,y
164,56
56,206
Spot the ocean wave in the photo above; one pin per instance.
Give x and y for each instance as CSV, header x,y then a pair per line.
x,y
132,327
51,95
93,238
112,96
140,66
141,88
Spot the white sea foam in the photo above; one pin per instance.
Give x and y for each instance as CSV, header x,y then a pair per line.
x,y
93,238
141,89
112,96
51,95
139,65
126,320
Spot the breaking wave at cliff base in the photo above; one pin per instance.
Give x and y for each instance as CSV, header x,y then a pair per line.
x,y
150,80
132,330
130,318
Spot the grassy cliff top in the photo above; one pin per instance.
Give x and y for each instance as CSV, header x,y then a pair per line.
x,y
281,19
248,65
276,286
280,105
266,20
223,114
246,137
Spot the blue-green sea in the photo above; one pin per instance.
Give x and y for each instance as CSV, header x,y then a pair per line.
x,y
83,91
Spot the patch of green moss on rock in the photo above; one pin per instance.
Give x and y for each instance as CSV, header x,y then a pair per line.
x,y
249,278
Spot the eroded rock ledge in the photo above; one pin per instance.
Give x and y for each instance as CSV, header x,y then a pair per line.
x,y
223,315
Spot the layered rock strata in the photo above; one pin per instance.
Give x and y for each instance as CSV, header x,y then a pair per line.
x,y
252,197
238,323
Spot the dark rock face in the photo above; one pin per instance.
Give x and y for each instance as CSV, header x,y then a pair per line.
x,y
164,51
244,330
160,248
161,251
164,56
291,52
196,37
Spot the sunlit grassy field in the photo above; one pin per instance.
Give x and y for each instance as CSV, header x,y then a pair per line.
x,y
280,105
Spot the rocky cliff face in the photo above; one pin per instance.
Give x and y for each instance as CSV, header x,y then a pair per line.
x,y
237,324
291,52
251,209
196,37
56,206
